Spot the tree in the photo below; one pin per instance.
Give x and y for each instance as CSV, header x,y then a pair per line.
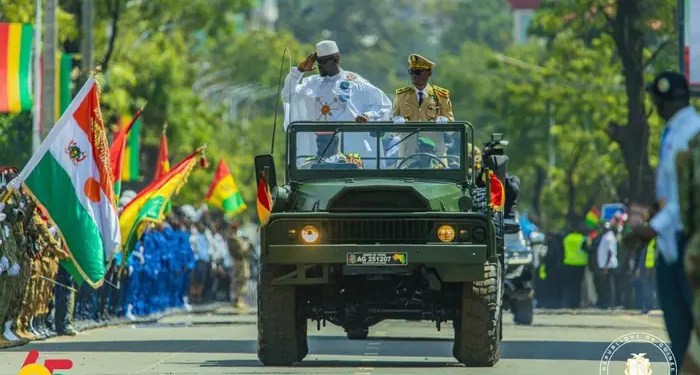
x,y
640,31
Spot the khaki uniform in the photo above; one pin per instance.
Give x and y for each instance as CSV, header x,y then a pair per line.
x,y
437,103
688,164
240,252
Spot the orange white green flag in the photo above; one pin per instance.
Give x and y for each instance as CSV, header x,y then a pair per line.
x,y
71,177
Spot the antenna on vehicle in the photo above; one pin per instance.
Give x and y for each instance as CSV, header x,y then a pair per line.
x,y
279,90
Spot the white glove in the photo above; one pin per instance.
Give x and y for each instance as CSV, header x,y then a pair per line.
x,y
399,120
14,270
53,230
4,264
131,270
2,216
442,119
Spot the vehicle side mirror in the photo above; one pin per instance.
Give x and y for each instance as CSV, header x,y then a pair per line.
x,y
537,238
266,164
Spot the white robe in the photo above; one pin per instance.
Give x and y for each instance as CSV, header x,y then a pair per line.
x,y
341,97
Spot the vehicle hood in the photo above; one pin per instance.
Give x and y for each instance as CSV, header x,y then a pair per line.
x,y
377,195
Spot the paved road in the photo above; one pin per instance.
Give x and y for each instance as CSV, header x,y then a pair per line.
x,y
223,343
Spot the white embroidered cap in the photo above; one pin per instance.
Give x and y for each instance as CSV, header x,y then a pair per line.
x,y
326,48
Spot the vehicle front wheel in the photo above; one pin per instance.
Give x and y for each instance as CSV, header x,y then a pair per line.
x,y
477,327
281,323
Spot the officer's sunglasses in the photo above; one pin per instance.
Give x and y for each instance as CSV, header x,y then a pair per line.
x,y
416,72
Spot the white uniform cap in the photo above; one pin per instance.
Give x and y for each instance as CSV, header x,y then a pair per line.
x,y
326,48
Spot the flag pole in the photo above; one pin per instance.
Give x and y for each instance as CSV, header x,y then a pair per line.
x,y
36,117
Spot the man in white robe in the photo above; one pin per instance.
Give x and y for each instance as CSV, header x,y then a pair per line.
x,y
333,95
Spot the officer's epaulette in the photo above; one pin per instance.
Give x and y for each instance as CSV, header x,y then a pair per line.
x,y
403,89
440,91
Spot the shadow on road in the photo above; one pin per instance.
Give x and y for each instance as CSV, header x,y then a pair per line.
x,y
335,364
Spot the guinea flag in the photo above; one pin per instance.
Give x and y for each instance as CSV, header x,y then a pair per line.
x,y
70,176
15,67
264,201
130,167
592,217
116,153
498,193
148,206
223,192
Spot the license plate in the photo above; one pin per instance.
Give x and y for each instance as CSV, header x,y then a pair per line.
x,y
377,259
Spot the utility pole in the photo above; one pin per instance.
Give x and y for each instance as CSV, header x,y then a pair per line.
x,y
87,43
36,110
48,94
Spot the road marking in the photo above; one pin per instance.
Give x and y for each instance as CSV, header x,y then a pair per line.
x,y
362,373
374,343
366,368
368,353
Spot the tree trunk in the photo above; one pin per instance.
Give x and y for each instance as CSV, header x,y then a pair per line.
x,y
633,138
572,217
540,179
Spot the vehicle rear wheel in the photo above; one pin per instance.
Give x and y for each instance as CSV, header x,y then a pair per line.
x,y
523,311
477,327
358,333
281,334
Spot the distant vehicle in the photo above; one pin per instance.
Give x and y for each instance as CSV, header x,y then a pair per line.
x,y
354,241
519,291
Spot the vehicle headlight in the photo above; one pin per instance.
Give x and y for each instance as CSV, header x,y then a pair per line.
x,y
309,234
446,233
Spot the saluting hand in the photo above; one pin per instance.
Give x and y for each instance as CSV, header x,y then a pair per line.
x,y
308,63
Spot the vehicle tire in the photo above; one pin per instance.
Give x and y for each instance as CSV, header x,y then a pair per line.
x,y
523,311
358,333
281,340
478,325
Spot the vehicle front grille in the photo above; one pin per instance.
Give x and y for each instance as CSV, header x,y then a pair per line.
x,y
371,231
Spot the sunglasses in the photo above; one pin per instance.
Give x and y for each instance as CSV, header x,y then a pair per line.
x,y
416,72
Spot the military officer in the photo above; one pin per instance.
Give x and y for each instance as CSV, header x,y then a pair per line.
x,y
334,94
422,102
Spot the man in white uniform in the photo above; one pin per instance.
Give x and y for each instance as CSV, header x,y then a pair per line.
x,y
333,95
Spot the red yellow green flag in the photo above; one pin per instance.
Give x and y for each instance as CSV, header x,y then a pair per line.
x,y
130,167
148,206
592,217
223,192
264,201
116,152
162,164
498,193
64,65
15,67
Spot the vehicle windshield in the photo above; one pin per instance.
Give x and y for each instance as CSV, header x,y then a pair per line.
x,y
385,147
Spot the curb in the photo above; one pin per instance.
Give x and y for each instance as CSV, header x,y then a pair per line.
x,y
595,312
87,325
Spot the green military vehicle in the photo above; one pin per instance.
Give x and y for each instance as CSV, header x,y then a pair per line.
x,y
362,232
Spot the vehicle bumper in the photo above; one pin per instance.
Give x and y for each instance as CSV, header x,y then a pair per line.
x,y
452,262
